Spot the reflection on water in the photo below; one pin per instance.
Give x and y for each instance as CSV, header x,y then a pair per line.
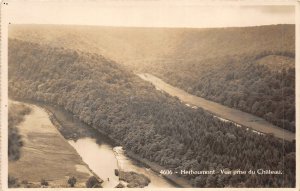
x,y
98,152
103,160
99,158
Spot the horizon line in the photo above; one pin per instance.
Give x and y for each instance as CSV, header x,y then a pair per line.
x,y
163,27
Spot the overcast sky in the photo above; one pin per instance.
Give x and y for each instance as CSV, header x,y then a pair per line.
x,y
149,13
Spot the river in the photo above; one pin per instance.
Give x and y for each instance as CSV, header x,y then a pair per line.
x,y
104,159
98,151
100,159
248,120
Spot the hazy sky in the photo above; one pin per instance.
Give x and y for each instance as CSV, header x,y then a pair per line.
x,y
149,13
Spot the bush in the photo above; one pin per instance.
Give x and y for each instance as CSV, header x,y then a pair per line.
x,y
12,182
44,182
16,115
72,181
24,182
93,182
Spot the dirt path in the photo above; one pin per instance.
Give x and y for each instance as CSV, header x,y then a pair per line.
x,y
222,111
46,154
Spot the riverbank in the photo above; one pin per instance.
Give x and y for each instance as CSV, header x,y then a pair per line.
x,y
46,154
65,124
73,129
178,181
234,115
61,118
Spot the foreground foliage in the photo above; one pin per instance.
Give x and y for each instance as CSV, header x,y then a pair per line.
x,y
16,115
93,182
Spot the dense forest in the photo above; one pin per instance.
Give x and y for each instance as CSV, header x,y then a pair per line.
x,y
263,84
16,113
108,97
248,68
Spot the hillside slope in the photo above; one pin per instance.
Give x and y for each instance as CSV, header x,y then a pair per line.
x,y
147,122
263,86
133,45
249,68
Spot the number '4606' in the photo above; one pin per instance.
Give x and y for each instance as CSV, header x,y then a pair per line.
x,y
166,172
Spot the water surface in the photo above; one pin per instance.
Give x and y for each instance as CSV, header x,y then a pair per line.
x,y
239,117
103,159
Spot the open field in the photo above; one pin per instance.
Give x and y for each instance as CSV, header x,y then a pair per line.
x,y
46,154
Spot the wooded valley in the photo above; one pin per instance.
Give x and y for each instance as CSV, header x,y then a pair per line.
x,y
248,68
109,97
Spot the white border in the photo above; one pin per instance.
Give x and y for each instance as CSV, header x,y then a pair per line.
x,y
4,88
297,95
4,97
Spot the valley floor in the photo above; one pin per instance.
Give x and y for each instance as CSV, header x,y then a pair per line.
x,y
46,154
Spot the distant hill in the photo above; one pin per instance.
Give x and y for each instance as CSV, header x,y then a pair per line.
x,y
136,45
249,68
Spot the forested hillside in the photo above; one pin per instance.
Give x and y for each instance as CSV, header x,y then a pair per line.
x,y
142,47
147,122
263,85
248,68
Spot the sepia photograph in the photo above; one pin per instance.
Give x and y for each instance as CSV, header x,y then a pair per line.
x,y
148,94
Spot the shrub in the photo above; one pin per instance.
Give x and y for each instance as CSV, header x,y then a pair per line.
x,y
93,182
24,182
12,182
72,181
44,182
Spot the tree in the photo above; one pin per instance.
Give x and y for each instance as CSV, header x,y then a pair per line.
x,y
92,182
44,182
12,182
72,181
211,181
199,181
